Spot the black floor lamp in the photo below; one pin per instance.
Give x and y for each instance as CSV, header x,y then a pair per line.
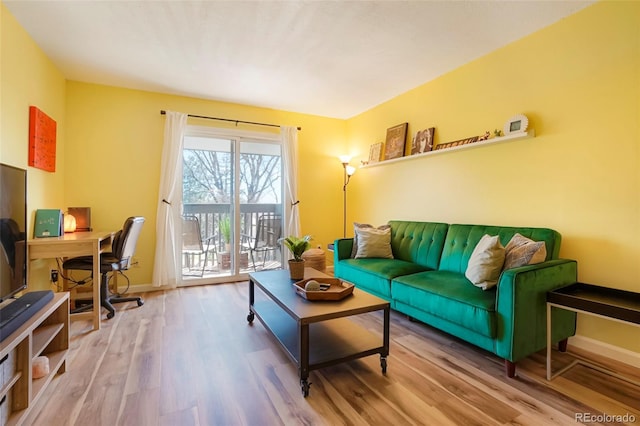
x,y
348,172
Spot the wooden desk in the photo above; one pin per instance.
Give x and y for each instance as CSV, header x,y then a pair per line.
x,y
72,245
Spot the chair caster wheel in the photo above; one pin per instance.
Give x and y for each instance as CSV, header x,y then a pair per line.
x,y
140,302
111,315
305,385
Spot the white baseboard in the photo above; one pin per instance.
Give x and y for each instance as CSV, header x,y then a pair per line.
x,y
605,349
140,288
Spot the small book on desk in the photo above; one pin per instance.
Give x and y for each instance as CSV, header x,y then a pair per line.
x,y
49,223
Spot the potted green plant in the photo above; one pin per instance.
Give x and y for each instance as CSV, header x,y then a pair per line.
x,y
225,233
297,246
225,256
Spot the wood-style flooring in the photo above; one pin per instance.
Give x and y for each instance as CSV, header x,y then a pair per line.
x,y
189,357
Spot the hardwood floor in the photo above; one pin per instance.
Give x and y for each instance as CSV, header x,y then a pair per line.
x,y
188,357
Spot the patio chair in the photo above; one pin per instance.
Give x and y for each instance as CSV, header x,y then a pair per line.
x,y
268,232
193,244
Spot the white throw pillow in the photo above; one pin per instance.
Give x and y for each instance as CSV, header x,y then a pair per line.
x,y
485,263
357,226
522,251
374,242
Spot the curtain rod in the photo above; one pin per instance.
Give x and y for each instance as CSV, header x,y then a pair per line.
x,y
163,112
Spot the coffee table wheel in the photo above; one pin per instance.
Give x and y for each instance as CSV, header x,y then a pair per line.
x,y
251,317
304,384
383,364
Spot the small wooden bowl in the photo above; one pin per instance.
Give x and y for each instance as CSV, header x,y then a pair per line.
x,y
338,289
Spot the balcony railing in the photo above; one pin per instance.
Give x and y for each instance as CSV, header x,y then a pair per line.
x,y
211,216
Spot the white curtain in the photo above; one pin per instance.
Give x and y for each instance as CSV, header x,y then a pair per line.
x,y
289,137
167,261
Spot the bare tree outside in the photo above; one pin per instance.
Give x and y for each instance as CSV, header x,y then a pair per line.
x,y
207,177
260,178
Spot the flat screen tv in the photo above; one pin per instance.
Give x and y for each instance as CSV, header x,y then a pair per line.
x,y
13,230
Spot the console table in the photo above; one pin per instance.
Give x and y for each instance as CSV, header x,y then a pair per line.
x,y
613,304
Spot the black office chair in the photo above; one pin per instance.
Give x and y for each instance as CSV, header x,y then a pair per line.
x,y
13,241
119,259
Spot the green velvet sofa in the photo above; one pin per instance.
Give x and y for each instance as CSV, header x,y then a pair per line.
x,y
426,281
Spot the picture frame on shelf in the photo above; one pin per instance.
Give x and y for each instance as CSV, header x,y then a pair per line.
x,y
395,141
457,143
375,152
516,124
422,141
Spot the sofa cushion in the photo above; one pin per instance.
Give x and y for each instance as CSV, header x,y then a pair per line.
x,y
373,242
418,242
375,275
485,263
462,239
450,296
522,251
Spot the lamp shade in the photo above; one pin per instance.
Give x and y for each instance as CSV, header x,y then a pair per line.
x,y
344,159
69,223
350,170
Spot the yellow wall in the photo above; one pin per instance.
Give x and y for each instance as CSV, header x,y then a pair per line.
x,y
114,149
28,77
578,82
112,141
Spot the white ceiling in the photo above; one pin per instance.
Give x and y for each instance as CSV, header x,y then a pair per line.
x,y
330,58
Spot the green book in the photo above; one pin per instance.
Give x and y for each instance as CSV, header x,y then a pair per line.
x,y
48,223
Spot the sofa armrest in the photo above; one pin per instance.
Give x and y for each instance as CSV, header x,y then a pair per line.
x,y
342,249
522,311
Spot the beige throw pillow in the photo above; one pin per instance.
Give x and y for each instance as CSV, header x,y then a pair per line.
x,y
522,251
374,242
485,263
357,226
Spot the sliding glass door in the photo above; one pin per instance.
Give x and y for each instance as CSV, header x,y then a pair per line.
x,y
232,196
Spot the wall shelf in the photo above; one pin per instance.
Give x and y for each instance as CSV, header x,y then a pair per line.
x,y
508,138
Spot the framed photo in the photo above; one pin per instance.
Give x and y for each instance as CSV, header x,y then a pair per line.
x,y
516,124
457,143
375,152
422,141
394,145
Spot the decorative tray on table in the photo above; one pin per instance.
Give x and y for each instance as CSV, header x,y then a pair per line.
x,y
330,289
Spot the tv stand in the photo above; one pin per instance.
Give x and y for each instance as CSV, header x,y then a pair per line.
x,y
20,310
45,333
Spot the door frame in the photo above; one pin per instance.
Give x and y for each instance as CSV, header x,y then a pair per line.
x,y
236,136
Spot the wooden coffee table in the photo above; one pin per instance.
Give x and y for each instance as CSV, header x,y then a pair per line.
x,y
316,334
